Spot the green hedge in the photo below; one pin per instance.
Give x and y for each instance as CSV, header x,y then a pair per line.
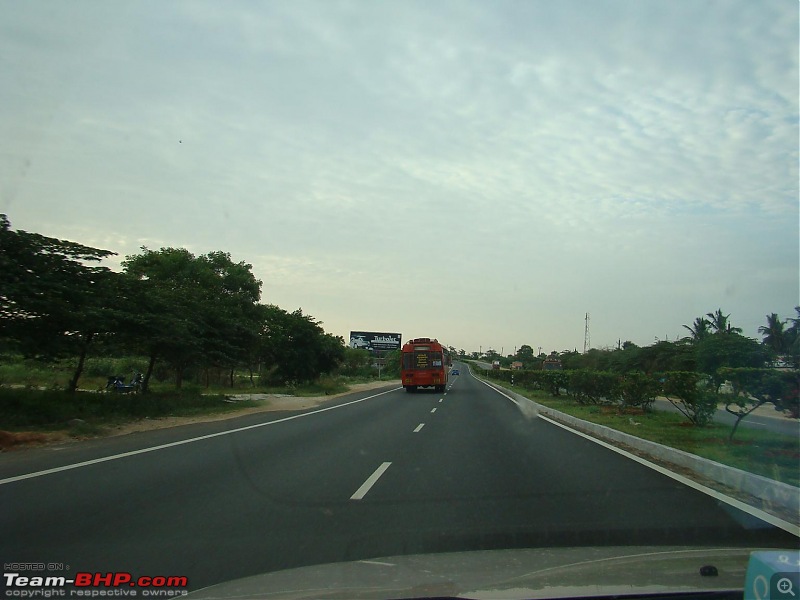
x,y
693,394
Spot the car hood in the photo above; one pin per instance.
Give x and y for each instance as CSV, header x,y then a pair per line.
x,y
502,574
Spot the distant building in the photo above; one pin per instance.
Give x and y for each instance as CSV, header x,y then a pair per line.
x,y
516,365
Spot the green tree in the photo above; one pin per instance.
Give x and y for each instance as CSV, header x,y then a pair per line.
x,y
775,336
297,347
692,395
699,329
191,310
793,338
755,387
230,317
391,367
667,356
53,301
356,362
728,350
720,324
526,356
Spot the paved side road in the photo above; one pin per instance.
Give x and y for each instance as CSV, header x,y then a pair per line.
x,y
764,418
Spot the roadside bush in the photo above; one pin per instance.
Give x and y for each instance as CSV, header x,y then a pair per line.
x,y
593,387
637,389
500,375
527,379
554,381
693,394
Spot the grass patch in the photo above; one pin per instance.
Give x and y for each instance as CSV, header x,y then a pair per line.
x,y
49,410
764,453
36,409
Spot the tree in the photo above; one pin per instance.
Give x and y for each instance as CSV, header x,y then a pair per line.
x,y
230,317
720,324
192,309
492,354
755,387
297,347
356,362
391,367
525,355
690,393
774,334
667,356
728,350
793,338
699,329
52,303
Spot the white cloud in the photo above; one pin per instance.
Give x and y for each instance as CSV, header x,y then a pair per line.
x,y
493,169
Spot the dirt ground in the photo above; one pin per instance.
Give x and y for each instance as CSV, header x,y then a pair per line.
x,y
267,403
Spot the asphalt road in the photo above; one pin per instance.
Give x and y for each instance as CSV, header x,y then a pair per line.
x,y
373,474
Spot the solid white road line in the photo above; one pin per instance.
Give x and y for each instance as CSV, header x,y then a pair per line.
x,y
764,516
489,385
420,426
371,480
182,442
760,514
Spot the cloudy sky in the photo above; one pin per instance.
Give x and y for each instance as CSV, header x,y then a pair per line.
x,y
481,172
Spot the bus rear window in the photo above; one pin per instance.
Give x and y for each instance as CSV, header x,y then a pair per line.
x,y
422,360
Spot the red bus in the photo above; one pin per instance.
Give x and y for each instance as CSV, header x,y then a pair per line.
x,y
423,363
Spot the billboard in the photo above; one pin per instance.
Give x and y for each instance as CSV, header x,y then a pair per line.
x,y
375,342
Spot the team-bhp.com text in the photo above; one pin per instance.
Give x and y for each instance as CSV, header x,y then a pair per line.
x,y
94,585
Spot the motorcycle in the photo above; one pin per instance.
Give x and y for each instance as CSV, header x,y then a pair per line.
x,y
116,383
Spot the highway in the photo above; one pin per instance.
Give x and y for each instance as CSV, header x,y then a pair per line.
x,y
372,474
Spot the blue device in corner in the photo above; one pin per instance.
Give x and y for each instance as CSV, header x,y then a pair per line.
x,y
773,575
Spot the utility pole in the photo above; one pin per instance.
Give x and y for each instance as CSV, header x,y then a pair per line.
x,y
587,341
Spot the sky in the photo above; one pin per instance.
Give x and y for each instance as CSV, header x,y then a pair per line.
x,y
486,173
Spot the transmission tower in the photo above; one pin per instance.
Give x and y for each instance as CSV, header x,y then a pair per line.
x,y
587,341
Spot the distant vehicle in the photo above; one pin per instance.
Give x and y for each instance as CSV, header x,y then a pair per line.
x,y
496,364
454,372
422,364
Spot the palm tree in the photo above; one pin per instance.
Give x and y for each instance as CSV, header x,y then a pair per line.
x,y
699,329
719,323
794,330
793,336
774,334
